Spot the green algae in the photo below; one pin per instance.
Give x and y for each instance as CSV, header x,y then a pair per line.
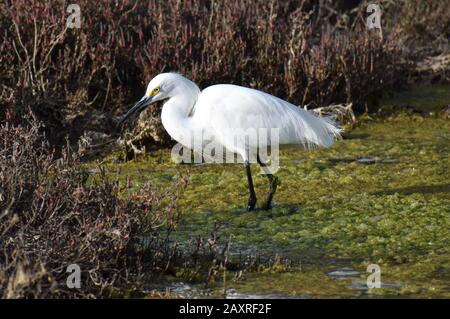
x,y
379,196
304,284
425,279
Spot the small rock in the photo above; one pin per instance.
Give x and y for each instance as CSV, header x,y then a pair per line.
x,y
343,272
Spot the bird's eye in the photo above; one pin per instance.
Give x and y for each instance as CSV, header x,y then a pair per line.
x,y
156,91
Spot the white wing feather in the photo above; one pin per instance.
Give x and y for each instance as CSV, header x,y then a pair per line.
x,y
220,105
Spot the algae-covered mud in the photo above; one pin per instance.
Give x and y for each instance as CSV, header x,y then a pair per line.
x,y
379,196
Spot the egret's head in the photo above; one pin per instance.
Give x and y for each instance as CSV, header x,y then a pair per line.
x,y
161,87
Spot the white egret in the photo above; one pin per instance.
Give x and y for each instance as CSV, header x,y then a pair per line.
x,y
218,108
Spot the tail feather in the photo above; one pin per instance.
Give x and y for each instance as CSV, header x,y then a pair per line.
x,y
313,131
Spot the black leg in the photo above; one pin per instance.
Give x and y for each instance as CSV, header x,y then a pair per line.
x,y
273,183
252,199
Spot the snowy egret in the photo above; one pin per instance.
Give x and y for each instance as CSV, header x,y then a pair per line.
x,y
220,107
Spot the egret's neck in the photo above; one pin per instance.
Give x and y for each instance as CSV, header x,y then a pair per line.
x,y
177,114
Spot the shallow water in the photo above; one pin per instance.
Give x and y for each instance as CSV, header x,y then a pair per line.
x,y
379,196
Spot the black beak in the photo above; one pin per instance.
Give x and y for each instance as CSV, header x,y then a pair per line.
x,y
136,109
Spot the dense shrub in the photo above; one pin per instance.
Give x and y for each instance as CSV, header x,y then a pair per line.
x,y
306,51
53,213
424,25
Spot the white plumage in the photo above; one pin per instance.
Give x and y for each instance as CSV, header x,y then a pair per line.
x,y
227,105
219,108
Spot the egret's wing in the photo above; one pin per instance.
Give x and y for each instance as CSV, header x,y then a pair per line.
x,y
229,106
